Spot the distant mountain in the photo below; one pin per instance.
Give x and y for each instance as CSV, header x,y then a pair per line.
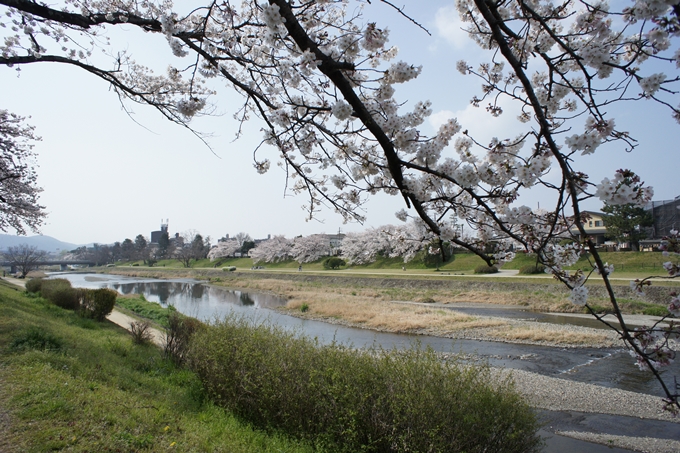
x,y
46,243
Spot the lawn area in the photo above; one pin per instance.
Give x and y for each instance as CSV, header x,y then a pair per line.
x,y
627,265
72,384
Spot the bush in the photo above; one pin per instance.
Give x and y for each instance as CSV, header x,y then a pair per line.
x,y
351,400
532,269
60,293
33,285
140,331
97,304
178,335
484,269
333,263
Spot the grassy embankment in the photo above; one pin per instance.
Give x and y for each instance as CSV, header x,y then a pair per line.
x,y
628,265
72,384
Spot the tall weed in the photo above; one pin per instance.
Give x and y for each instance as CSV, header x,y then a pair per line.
x,y
376,401
178,336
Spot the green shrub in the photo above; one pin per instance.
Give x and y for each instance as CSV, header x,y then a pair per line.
x,y
60,293
48,286
33,285
532,269
333,262
484,269
351,400
304,308
97,304
178,335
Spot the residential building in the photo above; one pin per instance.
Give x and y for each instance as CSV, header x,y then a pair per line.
x,y
594,227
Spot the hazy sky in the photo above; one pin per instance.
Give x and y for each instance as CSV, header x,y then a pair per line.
x,y
108,176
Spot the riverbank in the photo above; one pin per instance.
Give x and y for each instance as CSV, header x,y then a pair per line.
x,y
563,399
423,306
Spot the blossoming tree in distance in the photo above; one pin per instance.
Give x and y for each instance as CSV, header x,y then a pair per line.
x,y
322,82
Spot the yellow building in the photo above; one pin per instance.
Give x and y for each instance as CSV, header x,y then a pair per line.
x,y
594,226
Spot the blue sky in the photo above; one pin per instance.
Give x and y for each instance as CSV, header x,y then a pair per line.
x,y
107,176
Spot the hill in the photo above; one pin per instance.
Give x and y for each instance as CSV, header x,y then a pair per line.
x,y
46,243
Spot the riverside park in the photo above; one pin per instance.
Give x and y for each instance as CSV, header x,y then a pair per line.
x,y
532,371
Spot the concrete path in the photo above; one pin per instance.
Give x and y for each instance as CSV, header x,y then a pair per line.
x,y
124,321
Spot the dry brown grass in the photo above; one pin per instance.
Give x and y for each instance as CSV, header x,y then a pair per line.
x,y
376,314
372,308
540,301
544,334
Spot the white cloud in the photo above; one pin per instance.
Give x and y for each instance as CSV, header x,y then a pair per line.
x,y
450,27
440,117
480,124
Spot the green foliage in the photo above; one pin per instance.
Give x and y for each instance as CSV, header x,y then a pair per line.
x,y
333,262
90,303
36,338
34,285
625,223
149,310
532,269
484,269
656,310
60,293
97,304
352,401
178,335
304,308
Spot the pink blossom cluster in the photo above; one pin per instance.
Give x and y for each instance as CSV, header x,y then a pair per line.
x,y
654,344
625,188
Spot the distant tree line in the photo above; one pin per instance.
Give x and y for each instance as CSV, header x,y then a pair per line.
x,y
187,247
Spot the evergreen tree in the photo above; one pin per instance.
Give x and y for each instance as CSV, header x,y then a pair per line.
x,y
626,222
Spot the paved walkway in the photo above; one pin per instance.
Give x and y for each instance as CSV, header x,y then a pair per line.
x,y
124,321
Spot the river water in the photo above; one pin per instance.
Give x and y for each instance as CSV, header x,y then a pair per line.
x,y
606,367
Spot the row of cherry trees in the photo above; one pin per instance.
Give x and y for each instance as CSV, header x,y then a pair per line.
x,y
322,83
400,241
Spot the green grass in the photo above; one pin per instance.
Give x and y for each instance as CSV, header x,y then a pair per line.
x,y
145,309
627,265
631,306
72,384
